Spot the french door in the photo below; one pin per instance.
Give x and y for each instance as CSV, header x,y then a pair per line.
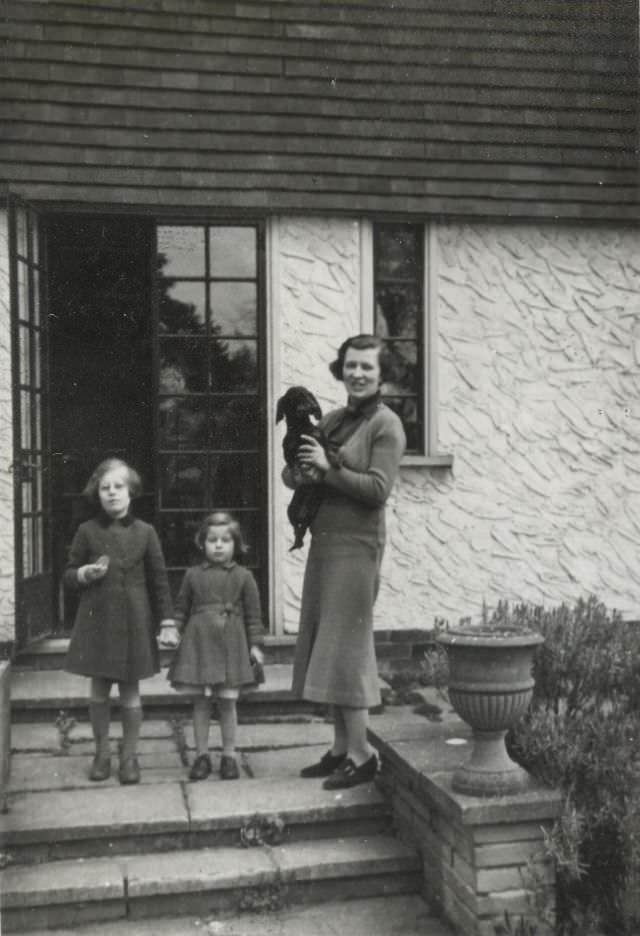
x,y
31,463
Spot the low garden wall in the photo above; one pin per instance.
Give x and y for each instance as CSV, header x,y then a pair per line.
x,y
482,857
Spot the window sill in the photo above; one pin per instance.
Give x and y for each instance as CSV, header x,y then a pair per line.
x,y
427,461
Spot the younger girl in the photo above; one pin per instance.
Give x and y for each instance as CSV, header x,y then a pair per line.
x,y
116,564
219,602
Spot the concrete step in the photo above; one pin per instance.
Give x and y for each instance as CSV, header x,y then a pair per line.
x,y
40,693
390,915
205,881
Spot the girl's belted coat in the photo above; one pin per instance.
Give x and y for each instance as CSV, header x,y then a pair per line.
x,y
114,633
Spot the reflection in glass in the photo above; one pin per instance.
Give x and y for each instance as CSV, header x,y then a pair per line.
x,y
27,493
25,367
405,365
181,250
233,479
398,251
36,337
182,308
397,310
183,365
233,251
27,548
233,308
21,231
407,410
25,419
234,365
183,480
234,423
183,422
36,296
23,299
177,534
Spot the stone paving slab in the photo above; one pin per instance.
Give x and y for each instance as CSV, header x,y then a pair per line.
x,y
44,736
30,773
406,915
376,854
62,882
285,762
43,688
213,806
206,869
37,817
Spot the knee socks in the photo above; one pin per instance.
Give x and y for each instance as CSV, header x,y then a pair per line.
x,y
131,721
99,714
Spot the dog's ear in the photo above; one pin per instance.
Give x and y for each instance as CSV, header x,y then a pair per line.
x,y
280,409
316,411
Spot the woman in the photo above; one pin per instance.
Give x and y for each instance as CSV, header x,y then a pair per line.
x,y
335,659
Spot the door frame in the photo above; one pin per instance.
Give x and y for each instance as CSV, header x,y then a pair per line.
x,y
34,593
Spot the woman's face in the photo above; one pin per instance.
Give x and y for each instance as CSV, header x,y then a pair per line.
x,y
114,493
361,372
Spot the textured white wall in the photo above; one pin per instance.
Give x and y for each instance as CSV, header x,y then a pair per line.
x,y
539,384
7,594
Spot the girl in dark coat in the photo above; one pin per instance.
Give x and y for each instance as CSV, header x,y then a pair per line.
x,y
218,616
117,566
335,659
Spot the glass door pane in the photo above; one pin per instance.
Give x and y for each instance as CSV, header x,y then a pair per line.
x,y
211,424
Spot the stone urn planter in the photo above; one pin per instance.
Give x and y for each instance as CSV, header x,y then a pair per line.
x,y
490,688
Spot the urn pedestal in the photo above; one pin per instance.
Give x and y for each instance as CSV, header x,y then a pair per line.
x,y
490,688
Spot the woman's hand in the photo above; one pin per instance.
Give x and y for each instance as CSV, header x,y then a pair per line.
x,y
311,455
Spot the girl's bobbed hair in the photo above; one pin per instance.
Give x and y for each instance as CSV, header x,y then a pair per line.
x,y
220,518
91,491
363,343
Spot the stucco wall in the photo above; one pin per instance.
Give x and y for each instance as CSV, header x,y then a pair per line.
x,y
539,386
6,445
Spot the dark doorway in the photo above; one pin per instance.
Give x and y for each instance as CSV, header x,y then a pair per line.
x,y
100,347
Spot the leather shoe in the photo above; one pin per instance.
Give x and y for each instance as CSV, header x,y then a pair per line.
x,y
348,775
229,768
100,768
129,770
201,767
325,766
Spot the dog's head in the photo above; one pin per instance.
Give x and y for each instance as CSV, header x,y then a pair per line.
x,y
297,404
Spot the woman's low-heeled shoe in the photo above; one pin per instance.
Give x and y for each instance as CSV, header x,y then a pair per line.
x,y
201,767
229,768
129,770
100,768
348,775
325,766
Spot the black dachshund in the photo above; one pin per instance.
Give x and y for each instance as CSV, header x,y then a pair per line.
x,y
296,407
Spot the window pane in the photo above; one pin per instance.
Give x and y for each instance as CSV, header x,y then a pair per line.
x,y
408,411
182,308
181,251
177,533
397,310
21,231
25,418
23,304
36,297
25,366
398,251
233,308
406,376
36,338
183,423
234,422
233,481
183,365
234,365
233,251
183,481
27,547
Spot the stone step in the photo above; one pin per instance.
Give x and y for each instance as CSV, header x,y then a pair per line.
x,y
40,693
100,820
402,915
206,881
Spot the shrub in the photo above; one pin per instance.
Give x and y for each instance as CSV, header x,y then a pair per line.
x,y
580,735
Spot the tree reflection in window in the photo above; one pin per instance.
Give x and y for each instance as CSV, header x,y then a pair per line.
x,y
399,303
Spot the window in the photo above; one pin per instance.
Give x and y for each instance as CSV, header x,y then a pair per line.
x,y
403,316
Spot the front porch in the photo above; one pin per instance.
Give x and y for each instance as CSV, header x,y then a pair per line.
x,y
78,852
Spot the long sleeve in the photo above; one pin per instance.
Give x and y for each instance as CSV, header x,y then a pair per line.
x,y
252,614
373,486
157,579
184,601
79,555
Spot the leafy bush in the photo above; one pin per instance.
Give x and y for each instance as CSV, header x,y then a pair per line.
x,y
580,735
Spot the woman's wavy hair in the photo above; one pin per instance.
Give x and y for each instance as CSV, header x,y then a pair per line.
x,y
363,343
220,518
91,491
